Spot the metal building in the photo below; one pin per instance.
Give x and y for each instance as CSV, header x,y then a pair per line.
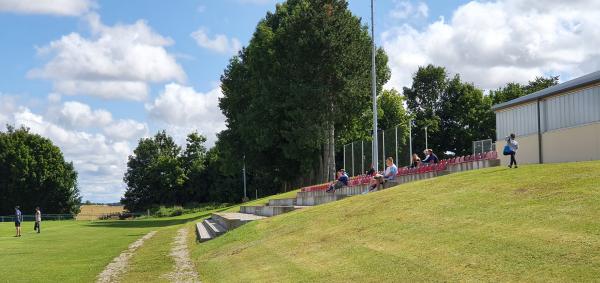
x,y
557,124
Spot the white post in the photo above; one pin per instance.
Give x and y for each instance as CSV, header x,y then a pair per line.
x,y
383,149
352,149
362,157
344,157
396,148
410,141
374,89
244,172
426,145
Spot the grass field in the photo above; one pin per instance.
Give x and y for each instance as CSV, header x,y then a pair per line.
x,y
77,251
535,223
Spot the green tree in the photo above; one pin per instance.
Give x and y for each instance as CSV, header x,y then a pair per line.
x,y
514,90
455,113
296,89
154,173
33,173
193,161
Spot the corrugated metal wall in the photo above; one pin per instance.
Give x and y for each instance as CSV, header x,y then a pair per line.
x,y
562,111
521,120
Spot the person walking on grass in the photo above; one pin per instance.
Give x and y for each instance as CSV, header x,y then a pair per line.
x,y
18,220
38,220
513,145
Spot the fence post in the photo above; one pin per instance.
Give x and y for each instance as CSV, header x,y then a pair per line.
x,y
383,149
344,153
362,157
396,149
352,149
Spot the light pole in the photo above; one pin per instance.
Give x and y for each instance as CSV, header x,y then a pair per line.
x,y
374,90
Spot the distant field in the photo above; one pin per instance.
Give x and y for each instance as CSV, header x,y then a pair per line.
x,y
93,212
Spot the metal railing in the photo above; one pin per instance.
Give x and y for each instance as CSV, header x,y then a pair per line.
x,y
482,146
391,143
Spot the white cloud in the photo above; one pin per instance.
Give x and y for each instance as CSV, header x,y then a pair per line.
x,y
100,162
126,129
49,7
115,62
492,43
220,43
79,115
407,9
8,104
184,110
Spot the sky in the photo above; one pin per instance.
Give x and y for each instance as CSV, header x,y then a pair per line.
x,y
95,76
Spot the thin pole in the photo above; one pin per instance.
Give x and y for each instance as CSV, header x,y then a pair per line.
x,y
396,148
244,172
362,157
410,141
374,89
344,157
383,149
352,148
426,145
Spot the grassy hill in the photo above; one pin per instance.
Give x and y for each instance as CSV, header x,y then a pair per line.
x,y
535,223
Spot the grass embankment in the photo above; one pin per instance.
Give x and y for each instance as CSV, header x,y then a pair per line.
x,y
535,223
77,251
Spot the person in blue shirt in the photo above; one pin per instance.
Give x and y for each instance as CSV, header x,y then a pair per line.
x,y
431,157
341,181
18,220
388,175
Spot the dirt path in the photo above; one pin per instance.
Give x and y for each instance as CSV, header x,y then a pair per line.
x,y
184,270
118,266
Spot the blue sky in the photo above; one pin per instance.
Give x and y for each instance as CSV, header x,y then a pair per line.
x,y
95,76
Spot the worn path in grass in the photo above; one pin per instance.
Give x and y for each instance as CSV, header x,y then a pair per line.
x,y
535,223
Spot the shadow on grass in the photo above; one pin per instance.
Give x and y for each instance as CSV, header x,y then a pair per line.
x,y
154,222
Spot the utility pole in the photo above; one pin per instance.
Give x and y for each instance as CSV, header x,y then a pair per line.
x,y
410,141
374,90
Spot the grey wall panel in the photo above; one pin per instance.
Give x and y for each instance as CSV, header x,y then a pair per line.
x,y
573,109
521,120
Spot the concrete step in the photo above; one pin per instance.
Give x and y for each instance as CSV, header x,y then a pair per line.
x,y
232,220
213,228
346,191
266,211
316,200
282,202
202,233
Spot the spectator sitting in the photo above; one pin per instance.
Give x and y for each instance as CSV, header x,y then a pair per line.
x,y
342,181
390,174
371,172
431,157
416,161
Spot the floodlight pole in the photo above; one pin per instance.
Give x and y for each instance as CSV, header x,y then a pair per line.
x,y
426,145
374,91
410,141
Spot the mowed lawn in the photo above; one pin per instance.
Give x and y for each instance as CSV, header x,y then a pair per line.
x,y
77,251
535,223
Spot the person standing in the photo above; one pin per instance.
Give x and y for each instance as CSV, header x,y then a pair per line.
x,y
38,220
18,220
514,146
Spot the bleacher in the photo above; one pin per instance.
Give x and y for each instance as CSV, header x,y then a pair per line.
x,y
219,223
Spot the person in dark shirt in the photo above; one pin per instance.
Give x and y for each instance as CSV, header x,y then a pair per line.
x,y
431,157
341,181
18,220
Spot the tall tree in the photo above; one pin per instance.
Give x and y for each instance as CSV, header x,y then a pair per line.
x,y
297,88
33,173
154,173
455,113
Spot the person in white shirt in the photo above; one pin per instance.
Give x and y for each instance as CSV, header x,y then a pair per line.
x,y
514,146
38,220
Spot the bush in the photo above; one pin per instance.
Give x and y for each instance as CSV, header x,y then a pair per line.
x,y
163,211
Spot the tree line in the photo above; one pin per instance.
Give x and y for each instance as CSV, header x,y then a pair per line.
x,y
293,97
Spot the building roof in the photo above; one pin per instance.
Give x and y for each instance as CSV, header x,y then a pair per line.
x,y
560,88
